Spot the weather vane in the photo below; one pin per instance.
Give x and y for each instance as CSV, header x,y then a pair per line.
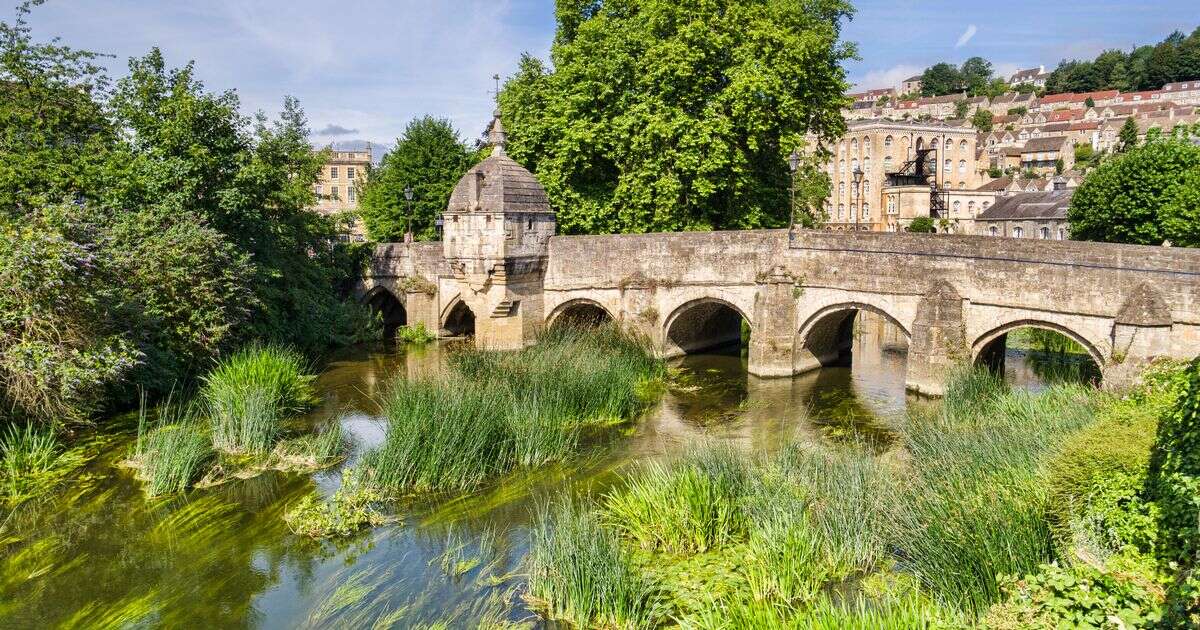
x,y
496,93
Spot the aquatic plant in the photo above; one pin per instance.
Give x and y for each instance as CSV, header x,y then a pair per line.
x,y
313,451
692,506
250,393
578,572
353,507
494,412
174,456
32,460
415,335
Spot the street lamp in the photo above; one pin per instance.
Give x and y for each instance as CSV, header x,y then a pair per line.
x,y
858,180
793,166
408,195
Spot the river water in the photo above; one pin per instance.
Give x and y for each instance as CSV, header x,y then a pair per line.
x,y
99,554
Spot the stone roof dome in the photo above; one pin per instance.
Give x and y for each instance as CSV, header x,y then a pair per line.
x,y
498,183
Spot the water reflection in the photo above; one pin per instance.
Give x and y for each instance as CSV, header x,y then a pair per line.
x,y
100,554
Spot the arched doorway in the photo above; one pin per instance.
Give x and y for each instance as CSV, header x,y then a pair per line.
x,y
391,310
844,335
580,314
1037,354
706,325
459,321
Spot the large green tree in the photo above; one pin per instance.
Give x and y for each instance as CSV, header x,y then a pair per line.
x,y
1175,58
1145,196
941,79
661,115
430,158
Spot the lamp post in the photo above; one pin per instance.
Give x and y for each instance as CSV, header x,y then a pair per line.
x,y
793,166
408,196
858,179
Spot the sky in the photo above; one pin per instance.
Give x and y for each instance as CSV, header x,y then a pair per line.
x,y
363,68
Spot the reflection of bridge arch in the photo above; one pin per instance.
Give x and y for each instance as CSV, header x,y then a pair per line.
x,y
580,311
828,334
702,324
990,346
391,309
457,319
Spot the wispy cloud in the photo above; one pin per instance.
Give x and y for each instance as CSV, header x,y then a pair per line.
x,y
966,36
887,78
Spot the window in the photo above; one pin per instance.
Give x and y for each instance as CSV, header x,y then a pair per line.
x,y
1018,232
866,145
992,230
866,187
962,146
962,167
887,164
841,210
350,194
867,165
1062,234
971,208
853,165
1044,233
957,206
866,211
333,172
841,189
887,142
333,192
949,166
320,190
962,185
350,173
933,144
842,166
854,145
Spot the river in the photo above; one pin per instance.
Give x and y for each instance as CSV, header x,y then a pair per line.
x,y
99,554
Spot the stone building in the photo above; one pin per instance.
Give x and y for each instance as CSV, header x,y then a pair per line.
x,y
1043,155
1032,76
338,185
1040,215
880,147
911,85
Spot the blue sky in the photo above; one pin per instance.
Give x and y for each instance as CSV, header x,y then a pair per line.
x,y
363,68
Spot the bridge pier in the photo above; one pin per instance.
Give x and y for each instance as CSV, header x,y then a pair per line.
x,y
938,340
773,339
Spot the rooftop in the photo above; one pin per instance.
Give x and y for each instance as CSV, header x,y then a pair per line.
x,y
1037,205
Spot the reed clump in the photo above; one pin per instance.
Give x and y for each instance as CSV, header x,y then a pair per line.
x,y
496,411
33,460
251,392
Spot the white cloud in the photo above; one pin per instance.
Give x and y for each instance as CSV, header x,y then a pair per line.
x,y
887,78
966,36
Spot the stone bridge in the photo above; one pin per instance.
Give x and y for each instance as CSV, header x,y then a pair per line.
x,y
951,296
502,276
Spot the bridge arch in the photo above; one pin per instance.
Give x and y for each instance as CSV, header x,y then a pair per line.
x,y
989,347
458,320
703,324
583,312
391,309
827,336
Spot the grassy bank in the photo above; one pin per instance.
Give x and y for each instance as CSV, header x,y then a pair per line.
x,y
493,412
932,534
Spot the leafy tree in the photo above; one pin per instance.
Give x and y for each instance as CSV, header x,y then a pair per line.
x,y
976,75
1084,153
1018,111
812,186
961,108
1128,134
982,120
1176,58
1089,102
922,225
1144,196
941,79
430,158
660,115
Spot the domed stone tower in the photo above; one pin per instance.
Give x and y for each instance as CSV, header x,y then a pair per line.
x,y
496,238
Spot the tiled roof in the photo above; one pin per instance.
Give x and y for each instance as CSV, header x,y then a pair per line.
x,y
1053,143
1036,205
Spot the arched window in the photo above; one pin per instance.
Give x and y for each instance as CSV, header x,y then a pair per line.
x,y
842,166
887,164
962,167
887,142
962,185
962,146
971,208
992,230
986,204
854,145
949,166
841,210
841,189
1062,234
866,145
957,206
853,165
866,189
1044,233
920,143
867,165
866,211
1018,232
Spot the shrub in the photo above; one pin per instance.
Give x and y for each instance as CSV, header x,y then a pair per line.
x,y
1175,474
1080,596
416,335
921,225
578,572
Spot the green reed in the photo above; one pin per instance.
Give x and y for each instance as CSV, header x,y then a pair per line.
x,y
26,453
251,392
579,572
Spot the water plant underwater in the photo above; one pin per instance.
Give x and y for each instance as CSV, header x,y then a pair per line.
x,y
235,426
492,412
990,516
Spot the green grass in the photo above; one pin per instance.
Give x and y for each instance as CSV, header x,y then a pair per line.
x,y
173,450
693,506
416,335
31,460
579,572
495,412
250,393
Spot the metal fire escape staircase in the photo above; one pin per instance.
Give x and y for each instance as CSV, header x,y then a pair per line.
x,y
922,171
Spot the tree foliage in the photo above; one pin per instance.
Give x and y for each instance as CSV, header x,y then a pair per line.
x,y
152,228
1144,196
974,77
430,158
1176,58
982,119
661,115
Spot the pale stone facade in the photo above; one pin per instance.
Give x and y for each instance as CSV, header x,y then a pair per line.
x,y
339,184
